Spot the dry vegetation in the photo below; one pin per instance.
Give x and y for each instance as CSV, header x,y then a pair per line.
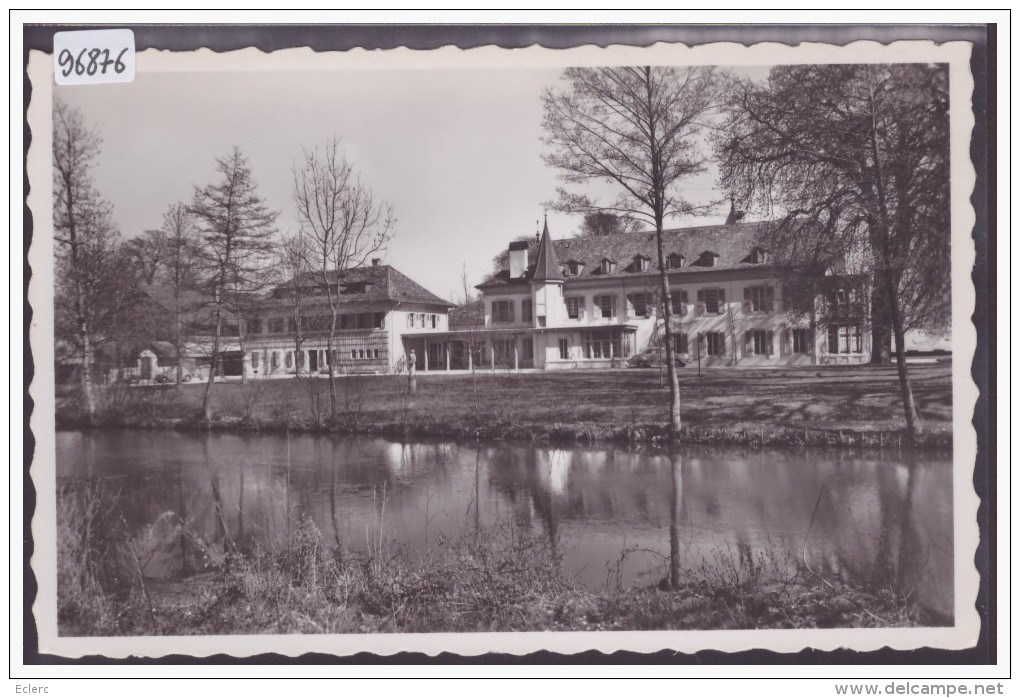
x,y
496,579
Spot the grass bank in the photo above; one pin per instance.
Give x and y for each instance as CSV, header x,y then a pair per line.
x,y
498,579
804,406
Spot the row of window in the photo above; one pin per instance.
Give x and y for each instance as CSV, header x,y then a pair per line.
x,y
317,323
312,359
842,339
601,344
675,260
757,299
423,320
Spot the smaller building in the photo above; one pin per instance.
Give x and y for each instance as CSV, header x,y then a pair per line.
x,y
158,361
382,317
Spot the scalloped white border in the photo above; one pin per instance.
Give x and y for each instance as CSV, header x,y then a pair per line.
x,y
964,337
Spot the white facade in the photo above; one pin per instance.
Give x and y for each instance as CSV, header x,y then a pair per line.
x,y
731,316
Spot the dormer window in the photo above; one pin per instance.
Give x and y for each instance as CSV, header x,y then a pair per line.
x,y
572,268
674,261
641,262
707,259
607,266
759,256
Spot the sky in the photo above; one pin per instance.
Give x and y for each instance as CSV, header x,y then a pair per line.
x,y
458,153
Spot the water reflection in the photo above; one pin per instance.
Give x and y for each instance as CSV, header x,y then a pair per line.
x,y
887,522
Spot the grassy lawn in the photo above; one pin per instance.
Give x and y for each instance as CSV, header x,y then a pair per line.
x,y
847,399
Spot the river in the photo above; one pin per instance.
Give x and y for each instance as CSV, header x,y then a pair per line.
x,y
873,520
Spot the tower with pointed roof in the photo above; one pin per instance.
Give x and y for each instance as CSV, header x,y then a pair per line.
x,y
547,282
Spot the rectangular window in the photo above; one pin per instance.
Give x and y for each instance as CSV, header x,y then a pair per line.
x,y
801,341
255,359
713,300
678,299
603,344
375,353
276,325
527,349
378,320
354,353
716,343
410,319
573,307
844,339
291,325
564,349
254,326
526,310
680,343
502,311
759,299
605,306
641,303
435,320
758,343
361,353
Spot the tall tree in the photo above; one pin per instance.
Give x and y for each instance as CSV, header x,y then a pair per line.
x,y
637,129
857,159
178,276
84,232
236,228
345,224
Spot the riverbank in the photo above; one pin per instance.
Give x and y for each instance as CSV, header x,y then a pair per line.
x,y
499,580
854,406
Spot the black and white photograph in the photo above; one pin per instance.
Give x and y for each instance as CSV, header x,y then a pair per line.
x,y
478,350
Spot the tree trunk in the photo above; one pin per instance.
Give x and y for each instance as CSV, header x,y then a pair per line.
x,y
881,332
906,391
890,285
86,370
206,410
179,343
667,316
329,364
240,342
657,196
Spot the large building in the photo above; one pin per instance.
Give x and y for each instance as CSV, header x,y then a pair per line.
x,y
381,319
593,302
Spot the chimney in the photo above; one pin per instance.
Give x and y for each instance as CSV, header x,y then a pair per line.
x,y
518,258
375,261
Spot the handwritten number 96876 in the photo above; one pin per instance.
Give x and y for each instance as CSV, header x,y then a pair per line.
x,y
88,62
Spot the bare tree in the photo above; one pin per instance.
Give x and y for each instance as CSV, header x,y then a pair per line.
x,y
635,128
83,229
293,262
237,229
179,273
857,158
345,224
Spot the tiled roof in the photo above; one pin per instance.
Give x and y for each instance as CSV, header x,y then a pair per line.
x,y
733,244
547,266
365,284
